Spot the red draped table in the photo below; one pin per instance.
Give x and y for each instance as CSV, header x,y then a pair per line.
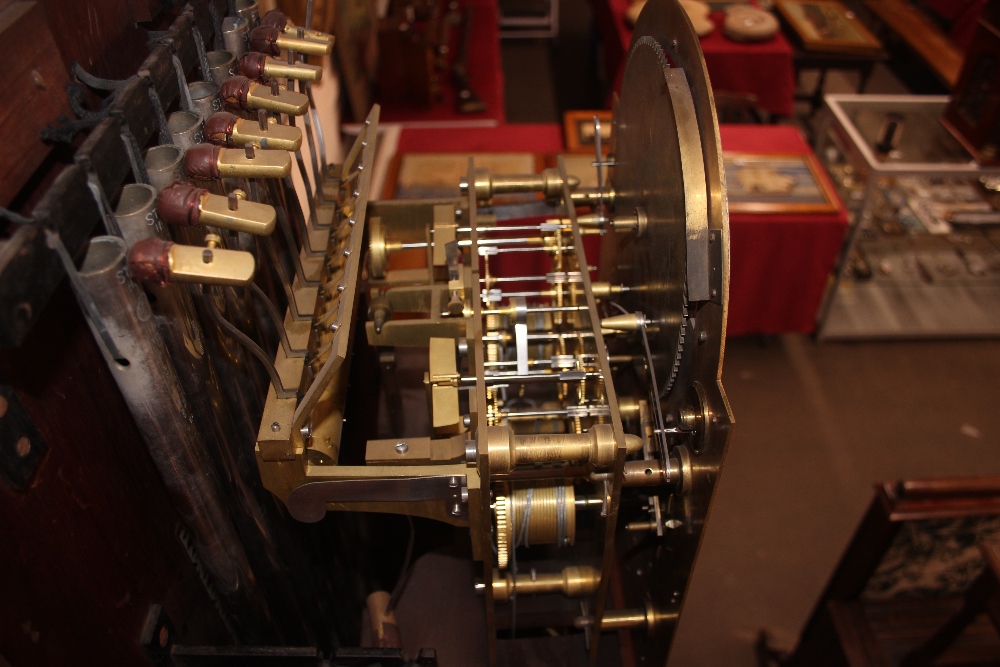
x,y
779,263
764,69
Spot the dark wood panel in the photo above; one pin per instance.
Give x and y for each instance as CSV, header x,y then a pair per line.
x,y
91,542
34,91
102,36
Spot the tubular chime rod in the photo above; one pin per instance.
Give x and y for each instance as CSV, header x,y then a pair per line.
x,y
559,277
493,250
536,309
494,338
582,410
543,376
527,240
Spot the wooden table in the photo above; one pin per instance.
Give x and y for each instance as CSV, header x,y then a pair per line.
x,y
762,69
825,61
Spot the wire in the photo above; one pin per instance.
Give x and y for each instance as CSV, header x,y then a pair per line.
x,y
13,216
404,572
619,307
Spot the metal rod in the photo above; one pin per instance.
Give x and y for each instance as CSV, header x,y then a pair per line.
x,y
286,231
537,309
279,324
501,377
291,202
560,413
497,251
493,338
283,278
567,277
247,342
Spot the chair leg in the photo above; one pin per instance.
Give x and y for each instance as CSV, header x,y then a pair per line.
x,y
983,595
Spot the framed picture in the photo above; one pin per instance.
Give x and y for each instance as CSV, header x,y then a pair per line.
x,y
777,184
827,25
579,129
437,175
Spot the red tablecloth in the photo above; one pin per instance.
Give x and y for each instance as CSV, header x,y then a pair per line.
x,y
485,76
779,263
764,69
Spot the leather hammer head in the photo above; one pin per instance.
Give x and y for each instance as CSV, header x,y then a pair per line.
x,y
252,66
234,91
202,161
264,39
274,19
149,260
180,203
219,129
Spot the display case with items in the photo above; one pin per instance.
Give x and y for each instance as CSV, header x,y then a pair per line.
x,y
922,257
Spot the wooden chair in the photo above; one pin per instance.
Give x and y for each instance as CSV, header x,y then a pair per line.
x,y
911,582
983,596
737,107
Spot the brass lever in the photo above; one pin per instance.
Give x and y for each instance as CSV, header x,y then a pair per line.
x,y
184,204
272,41
277,19
207,162
241,93
261,67
162,262
231,131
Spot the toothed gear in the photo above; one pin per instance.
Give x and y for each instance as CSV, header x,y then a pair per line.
x,y
647,41
636,180
680,348
501,509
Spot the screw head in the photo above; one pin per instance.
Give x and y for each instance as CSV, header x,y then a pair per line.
x,y
275,427
3,405
402,447
23,446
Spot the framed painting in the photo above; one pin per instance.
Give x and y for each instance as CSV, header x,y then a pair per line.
x,y
777,184
827,25
579,129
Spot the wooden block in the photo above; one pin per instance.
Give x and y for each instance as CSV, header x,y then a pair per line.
x,y
33,90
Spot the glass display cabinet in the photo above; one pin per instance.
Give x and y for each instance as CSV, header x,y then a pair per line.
x,y
922,254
